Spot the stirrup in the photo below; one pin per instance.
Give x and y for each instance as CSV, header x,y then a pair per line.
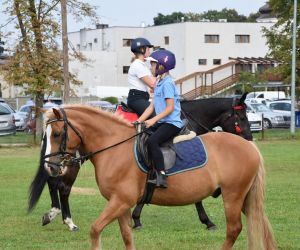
x,y
160,180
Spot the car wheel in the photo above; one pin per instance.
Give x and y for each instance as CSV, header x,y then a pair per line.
x,y
267,124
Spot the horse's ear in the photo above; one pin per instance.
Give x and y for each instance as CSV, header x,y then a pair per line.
x,y
57,113
243,98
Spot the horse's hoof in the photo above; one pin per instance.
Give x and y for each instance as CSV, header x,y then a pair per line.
x,y
138,227
46,219
212,227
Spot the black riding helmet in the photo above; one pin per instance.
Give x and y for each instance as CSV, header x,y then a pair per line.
x,y
138,44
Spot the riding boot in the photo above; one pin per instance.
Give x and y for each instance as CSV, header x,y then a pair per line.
x,y
160,180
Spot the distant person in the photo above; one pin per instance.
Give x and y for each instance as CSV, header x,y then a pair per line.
x,y
30,102
49,104
140,79
167,122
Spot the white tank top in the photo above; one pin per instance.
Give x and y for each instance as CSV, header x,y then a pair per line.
x,y
137,70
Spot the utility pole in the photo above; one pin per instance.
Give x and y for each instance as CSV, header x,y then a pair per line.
x,y
293,70
65,50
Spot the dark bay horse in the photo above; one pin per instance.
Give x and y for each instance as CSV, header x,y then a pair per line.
x,y
107,140
202,114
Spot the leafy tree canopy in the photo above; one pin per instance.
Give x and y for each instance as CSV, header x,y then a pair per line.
x,y
37,61
279,38
230,15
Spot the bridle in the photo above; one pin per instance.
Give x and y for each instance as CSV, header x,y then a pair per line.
x,y
71,157
62,153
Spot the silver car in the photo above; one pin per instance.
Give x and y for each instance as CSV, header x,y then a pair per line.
x,y
270,118
19,120
7,121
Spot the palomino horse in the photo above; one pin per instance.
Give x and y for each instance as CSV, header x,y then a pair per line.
x,y
202,115
107,141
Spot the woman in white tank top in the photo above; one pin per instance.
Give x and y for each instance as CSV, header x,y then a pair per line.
x,y
140,79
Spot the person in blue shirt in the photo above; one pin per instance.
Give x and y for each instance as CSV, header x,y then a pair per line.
x,y
167,122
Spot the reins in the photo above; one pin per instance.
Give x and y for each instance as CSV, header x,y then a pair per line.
x,y
188,115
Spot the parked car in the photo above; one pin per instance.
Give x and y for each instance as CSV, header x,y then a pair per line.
x,y
20,121
7,121
270,118
255,121
25,110
281,106
103,105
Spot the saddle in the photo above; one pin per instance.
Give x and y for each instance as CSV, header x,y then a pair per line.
x,y
167,148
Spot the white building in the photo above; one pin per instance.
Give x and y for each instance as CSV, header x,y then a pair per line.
x,y
198,46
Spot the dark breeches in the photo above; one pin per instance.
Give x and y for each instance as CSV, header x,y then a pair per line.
x,y
163,132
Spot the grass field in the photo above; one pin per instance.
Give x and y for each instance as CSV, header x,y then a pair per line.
x,y
165,228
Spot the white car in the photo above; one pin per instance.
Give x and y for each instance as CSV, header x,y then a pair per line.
x,y
281,106
19,120
270,118
255,121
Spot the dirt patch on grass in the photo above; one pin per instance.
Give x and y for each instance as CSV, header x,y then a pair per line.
x,y
84,191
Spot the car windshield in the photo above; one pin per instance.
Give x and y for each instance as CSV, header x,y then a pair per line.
x,y
260,107
8,107
4,110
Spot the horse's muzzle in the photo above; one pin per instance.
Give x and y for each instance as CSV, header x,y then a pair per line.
x,y
55,170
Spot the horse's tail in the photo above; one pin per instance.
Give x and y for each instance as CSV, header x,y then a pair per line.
x,y
39,181
260,235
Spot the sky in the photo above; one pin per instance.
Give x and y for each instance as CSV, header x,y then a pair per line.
x,y
136,12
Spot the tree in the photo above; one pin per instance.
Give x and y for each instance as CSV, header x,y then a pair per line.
x,y
175,17
230,15
279,39
36,64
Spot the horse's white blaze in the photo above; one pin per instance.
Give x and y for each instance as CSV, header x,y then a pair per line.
x,y
48,147
69,222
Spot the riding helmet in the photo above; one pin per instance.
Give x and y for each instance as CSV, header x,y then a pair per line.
x,y
165,60
139,43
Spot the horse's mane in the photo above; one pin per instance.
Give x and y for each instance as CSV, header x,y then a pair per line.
x,y
97,111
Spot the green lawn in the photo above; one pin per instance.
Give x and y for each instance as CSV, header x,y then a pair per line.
x,y
165,228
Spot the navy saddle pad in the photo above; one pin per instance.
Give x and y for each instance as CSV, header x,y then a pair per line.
x,y
190,155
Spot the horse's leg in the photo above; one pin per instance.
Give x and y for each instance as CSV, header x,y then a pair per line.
x,y
65,187
55,205
64,194
233,210
203,217
136,214
115,209
125,226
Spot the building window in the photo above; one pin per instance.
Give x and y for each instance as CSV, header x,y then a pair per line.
x,y
202,61
78,46
167,40
212,38
216,61
242,38
125,69
95,40
90,46
156,48
127,42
